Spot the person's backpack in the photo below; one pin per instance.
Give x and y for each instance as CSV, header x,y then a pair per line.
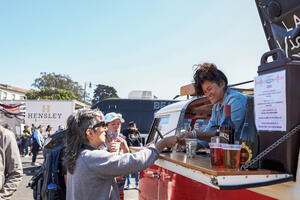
x,y
48,183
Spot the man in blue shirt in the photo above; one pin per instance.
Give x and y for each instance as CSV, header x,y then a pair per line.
x,y
37,143
212,83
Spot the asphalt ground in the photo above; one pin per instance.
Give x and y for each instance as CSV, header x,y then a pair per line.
x,y
25,193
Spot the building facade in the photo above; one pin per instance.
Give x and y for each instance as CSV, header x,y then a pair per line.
x,y
8,92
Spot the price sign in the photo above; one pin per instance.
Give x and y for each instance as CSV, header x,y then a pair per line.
x,y
270,101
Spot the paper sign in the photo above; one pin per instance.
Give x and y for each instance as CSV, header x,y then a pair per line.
x,y
270,101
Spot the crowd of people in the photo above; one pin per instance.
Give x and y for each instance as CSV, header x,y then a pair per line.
x,y
30,143
99,157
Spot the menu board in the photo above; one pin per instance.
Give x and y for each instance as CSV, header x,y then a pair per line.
x,y
270,101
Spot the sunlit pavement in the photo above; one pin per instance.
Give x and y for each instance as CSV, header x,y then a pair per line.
x,y
131,194
25,193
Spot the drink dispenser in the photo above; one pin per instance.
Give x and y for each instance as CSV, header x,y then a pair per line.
x,y
277,109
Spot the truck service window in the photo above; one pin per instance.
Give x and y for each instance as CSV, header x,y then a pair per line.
x,y
199,125
160,126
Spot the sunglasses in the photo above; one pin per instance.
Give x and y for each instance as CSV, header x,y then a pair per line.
x,y
100,124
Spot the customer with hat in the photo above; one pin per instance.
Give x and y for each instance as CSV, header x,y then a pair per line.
x,y
91,168
114,121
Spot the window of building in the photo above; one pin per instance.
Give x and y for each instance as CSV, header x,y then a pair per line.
x,y
4,95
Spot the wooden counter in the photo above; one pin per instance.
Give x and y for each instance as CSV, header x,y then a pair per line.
x,y
202,164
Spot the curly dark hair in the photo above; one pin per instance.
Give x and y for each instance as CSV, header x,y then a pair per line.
x,y
77,124
207,72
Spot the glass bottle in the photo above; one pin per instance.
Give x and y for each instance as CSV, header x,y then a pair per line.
x,y
227,127
249,138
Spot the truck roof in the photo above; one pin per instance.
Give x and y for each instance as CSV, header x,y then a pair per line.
x,y
175,107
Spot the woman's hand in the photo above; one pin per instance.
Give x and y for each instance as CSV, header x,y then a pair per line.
x,y
182,136
113,146
166,142
123,144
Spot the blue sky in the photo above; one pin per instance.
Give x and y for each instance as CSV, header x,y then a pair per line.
x,y
129,44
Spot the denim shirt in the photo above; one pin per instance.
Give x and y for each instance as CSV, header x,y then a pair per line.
x,y
237,101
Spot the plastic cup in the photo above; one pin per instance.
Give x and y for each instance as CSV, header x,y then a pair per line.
x,y
116,146
216,155
191,147
231,156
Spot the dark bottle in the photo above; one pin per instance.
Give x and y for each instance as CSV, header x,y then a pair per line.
x,y
227,127
249,138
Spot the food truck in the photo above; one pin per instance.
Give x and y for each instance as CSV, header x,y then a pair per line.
x,y
175,176
275,108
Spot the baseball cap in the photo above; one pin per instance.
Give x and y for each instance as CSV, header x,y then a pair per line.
x,y
109,117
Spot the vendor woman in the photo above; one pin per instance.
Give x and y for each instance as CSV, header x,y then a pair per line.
x,y
212,82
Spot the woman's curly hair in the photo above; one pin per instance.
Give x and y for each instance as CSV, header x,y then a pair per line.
x,y
77,124
207,72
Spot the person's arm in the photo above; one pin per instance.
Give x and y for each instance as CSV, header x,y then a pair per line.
x,y
123,145
167,142
121,164
212,121
205,136
99,161
238,112
13,169
133,148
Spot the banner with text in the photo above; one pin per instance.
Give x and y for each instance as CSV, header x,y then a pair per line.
x,y
270,101
53,113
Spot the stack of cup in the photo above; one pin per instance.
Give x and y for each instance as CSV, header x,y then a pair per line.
x,y
191,147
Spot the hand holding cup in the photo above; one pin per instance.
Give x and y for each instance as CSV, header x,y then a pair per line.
x,y
123,144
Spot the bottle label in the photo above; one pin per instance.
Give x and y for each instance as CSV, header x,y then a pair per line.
x,y
224,136
246,154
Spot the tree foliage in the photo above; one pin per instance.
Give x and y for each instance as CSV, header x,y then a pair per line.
x,y
104,92
58,81
51,94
